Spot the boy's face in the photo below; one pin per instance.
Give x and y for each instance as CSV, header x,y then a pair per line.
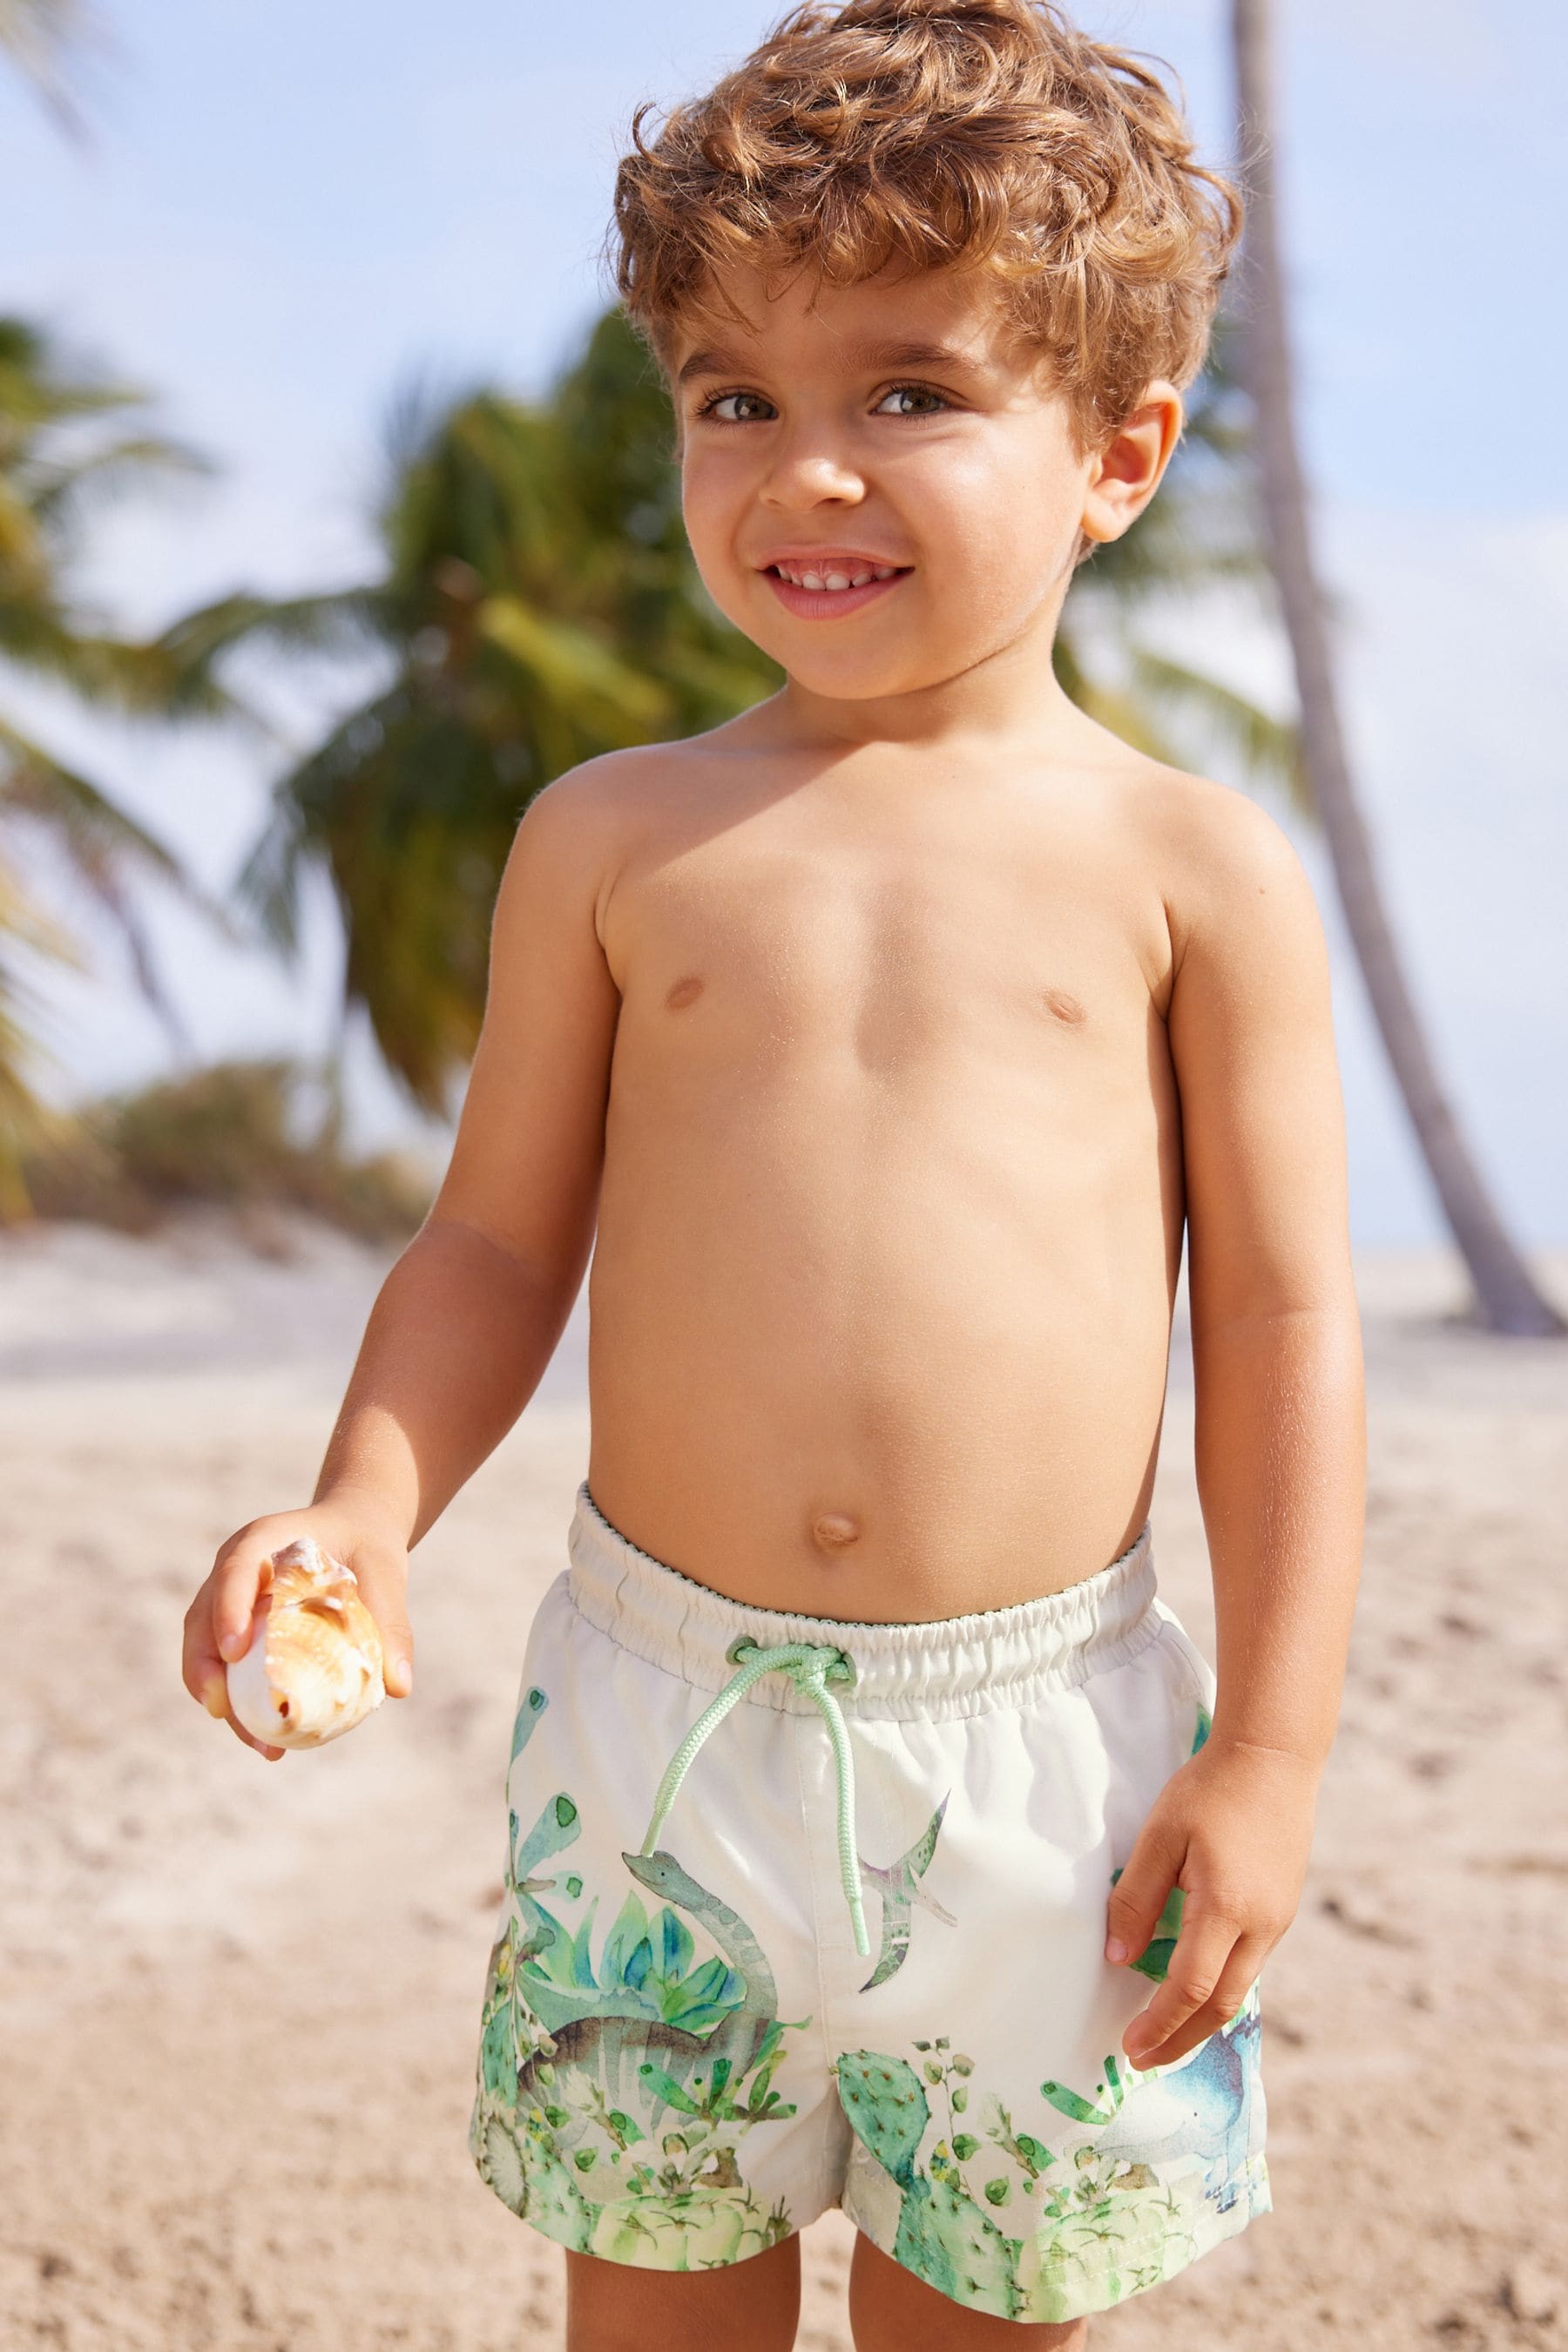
x,y
880,487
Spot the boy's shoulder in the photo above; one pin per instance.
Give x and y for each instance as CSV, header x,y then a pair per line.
x,y
1235,894
1190,814
579,825
1227,876
1210,840
579,834
632,786
599,813
600,791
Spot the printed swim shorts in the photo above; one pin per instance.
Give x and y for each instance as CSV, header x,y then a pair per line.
x,y
800,1912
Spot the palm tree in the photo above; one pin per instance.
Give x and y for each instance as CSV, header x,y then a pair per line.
x,y
68,438
1508,1298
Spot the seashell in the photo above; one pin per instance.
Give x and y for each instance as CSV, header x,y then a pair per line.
x,y
314,1668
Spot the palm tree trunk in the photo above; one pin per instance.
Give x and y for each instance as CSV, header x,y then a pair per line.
x,y
1508,1298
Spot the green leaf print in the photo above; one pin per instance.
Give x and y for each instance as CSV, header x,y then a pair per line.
x,y
629,1928
638,1967
556,1828
527,1714
676,1944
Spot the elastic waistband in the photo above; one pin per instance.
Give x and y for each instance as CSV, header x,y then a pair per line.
x,y
950,1665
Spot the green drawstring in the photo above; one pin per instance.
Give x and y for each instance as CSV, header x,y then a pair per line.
x,y
810,1667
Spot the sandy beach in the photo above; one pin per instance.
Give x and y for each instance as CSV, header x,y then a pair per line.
x,y
239,2000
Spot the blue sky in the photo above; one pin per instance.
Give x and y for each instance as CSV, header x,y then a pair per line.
x,y
285,210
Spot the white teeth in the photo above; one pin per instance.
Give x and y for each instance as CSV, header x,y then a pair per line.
x,y
834,582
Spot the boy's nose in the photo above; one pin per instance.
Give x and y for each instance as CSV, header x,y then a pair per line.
x,y
812,478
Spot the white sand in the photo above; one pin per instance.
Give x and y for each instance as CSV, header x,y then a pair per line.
x,y
238,2001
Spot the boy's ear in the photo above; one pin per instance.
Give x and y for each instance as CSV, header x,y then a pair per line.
x,y
1125,473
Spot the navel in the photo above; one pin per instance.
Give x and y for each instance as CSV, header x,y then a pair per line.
x,y
833,1530
684,992
1065,1008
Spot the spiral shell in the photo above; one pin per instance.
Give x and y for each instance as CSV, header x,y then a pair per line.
x,y
314,1668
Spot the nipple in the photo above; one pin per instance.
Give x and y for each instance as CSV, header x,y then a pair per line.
x,y
832,1531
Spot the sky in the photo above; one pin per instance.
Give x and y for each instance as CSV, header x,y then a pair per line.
x,y
282,213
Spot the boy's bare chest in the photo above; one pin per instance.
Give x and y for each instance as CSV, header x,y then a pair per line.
x,y
903,961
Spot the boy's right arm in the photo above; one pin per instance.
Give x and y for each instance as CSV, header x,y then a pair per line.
x,y
469,1316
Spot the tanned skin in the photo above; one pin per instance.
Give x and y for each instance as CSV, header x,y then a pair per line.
x,y
888,1039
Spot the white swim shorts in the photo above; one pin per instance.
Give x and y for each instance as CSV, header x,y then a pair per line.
x,y
800,1912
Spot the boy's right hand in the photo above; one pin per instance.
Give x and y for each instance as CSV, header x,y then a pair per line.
x,y
219,1621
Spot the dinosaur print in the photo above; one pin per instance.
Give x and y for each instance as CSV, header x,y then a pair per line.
x,y
616,2087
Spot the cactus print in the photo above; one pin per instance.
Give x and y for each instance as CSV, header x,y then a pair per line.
x,y
1047,2224
620,2081
1155,2167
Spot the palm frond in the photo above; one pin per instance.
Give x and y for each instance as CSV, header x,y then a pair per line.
x,y
65,490
567,665
99,842
1268,748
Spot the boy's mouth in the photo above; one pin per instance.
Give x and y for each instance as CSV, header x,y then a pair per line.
x,y
826,582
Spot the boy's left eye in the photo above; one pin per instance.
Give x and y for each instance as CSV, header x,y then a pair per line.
x,y
910,400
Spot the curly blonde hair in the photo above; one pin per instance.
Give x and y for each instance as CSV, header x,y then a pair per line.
x,y
926,133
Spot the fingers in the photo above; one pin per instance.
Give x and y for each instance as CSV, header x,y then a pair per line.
x,y
1139,1896
382,1584
238,1580
217,1630
1212,1969
219,1621
208,1682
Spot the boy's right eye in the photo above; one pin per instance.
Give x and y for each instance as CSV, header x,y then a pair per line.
x,y
738,407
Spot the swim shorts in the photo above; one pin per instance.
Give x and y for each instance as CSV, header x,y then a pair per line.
x,y
801,1912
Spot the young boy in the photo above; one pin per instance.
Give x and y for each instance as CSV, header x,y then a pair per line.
x,y
877,1835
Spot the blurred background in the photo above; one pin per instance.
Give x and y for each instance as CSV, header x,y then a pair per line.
x,y
335,519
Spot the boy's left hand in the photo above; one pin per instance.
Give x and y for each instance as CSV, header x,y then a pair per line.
x,y
1233,1829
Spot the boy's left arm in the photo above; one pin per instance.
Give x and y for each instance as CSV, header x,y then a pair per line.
x,y
1281,1441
